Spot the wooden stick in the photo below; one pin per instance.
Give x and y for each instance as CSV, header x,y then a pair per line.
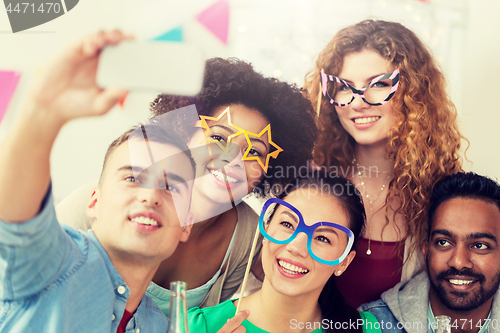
x,y
249,264
318,104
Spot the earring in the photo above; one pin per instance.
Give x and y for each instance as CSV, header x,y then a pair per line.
x,y
263,241
338,273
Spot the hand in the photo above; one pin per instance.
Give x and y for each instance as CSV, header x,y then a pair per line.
x,y
66,87
233,325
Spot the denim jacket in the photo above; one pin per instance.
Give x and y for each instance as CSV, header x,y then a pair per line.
x,y
57,279
381,311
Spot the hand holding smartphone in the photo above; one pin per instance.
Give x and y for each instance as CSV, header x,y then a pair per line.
x,y
166,67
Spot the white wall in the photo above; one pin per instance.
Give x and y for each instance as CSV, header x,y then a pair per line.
x,y
274,35
79,149
480,116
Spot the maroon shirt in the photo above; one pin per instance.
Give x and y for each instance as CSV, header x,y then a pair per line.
x,y
123,323
368,276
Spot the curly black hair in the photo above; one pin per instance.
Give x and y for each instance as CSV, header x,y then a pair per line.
x,y
291,115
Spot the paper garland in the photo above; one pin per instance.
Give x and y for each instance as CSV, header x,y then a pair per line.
x,y
174,35
8,84
214,18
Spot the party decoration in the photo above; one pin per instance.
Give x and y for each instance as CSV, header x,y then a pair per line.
x,y
248,134
206,128
174,35
122,101
216,19
273,154
8,84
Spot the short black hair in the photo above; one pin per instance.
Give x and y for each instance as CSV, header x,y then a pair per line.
x,y
463,185
291,115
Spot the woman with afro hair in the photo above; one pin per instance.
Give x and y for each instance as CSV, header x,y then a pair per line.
x,y
252,136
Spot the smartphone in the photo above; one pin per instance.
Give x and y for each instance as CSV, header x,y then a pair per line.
x,y
166,67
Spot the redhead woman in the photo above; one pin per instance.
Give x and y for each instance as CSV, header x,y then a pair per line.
x,y
387,123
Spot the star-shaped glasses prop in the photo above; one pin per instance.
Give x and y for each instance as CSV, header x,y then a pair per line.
x,y
239,131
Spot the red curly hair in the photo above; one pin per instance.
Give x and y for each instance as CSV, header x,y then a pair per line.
x,y
425,141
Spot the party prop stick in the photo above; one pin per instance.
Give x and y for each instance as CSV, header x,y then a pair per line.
x,y
249,263
318,105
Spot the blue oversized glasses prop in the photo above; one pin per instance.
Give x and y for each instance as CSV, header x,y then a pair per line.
x,y
323,238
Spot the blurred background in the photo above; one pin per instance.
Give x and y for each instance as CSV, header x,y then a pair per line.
x,y
280,38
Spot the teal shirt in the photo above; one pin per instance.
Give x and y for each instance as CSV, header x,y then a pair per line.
x,y
211,319
161,296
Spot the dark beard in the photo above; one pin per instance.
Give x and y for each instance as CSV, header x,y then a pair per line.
x,y
463,301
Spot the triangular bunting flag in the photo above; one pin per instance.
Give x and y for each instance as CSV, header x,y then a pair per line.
x,y
216,19
122,101
8,84
174,35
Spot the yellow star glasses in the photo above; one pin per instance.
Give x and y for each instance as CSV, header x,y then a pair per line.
x,y
248,135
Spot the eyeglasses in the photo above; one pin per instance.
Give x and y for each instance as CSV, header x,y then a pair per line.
x,y
377,92
280,223
263,162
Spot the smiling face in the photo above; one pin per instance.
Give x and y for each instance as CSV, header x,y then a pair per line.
x,y
367,124
463,254
289,268
212,163
134,219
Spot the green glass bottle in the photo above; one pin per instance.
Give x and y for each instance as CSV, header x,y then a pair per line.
x,y
443,324
177,314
